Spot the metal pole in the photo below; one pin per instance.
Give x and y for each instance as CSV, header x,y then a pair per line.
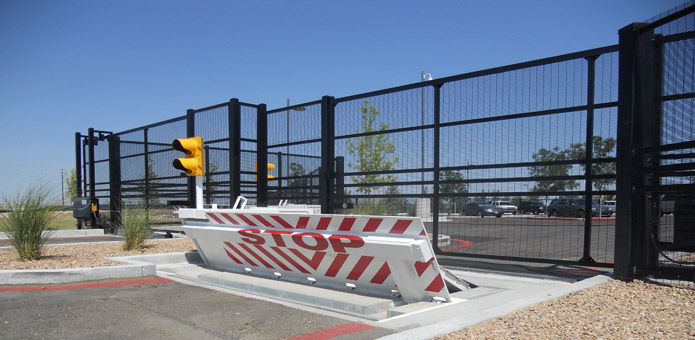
x,y
589,157
262,156
92,175
78,169
422,134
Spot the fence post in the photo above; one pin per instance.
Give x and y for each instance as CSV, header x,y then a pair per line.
x,y
190,180
326,172
92,174
262,156
115,181
146,150
435,164
78,169
234,120
633,246
589,161
208,176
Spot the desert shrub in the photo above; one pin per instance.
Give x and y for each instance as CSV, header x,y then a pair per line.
x,y
135,227
29,214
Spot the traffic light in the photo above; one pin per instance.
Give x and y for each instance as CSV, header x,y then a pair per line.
x,y
270,166
193,164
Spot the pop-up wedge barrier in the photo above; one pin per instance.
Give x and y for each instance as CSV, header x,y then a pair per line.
x,y
376,255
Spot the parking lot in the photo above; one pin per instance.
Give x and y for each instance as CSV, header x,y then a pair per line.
x,y
528,236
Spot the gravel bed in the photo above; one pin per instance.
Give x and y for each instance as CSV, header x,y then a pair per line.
x,y
89,254
614,310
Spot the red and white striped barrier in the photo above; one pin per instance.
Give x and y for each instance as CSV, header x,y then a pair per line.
x,y
377,255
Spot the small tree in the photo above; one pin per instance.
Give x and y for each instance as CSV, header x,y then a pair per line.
x,y
371,152
72,185
453,188
601,149
556,170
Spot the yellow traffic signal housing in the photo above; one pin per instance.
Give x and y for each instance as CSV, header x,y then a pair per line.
x,y
270,166
193,164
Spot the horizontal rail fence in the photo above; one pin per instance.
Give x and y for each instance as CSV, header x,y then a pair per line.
x,y
660,167
525,162
516,133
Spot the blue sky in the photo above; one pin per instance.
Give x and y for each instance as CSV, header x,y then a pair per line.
x,y
66,66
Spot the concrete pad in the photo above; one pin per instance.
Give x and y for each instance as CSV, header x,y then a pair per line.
x,y
369,307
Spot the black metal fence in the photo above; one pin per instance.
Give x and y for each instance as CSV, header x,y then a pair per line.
x,y
548,131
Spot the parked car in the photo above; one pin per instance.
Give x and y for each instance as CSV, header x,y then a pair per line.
x,y
531,207
574,207
610,206
481,209
506,206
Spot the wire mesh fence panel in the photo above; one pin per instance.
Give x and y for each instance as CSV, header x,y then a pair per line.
x,y
385,142
294,148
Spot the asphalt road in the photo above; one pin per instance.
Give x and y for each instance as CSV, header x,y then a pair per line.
x,y
158,310
529,236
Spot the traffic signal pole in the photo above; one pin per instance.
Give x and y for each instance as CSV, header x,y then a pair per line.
x,y
199,192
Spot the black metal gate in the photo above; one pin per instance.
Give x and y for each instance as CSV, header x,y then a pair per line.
x,y
656,150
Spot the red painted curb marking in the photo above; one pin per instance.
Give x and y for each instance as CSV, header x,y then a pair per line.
x,y
335,331
462,244
86,285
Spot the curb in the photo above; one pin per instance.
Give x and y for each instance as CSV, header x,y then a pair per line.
x,y
135,266
68,233
46,276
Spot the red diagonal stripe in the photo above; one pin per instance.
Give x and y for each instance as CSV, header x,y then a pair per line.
x,y
273,258
420,267
346,224
232,257
382,274
336,265
290,260
282,222
360,267
229,218
315,261
246,220
423,232
256,256
436,285
372,224
323,223
400,226
243,256
217,219
301,224
264,221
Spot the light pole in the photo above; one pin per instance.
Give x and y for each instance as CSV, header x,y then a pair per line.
x,y
62,186
423,77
